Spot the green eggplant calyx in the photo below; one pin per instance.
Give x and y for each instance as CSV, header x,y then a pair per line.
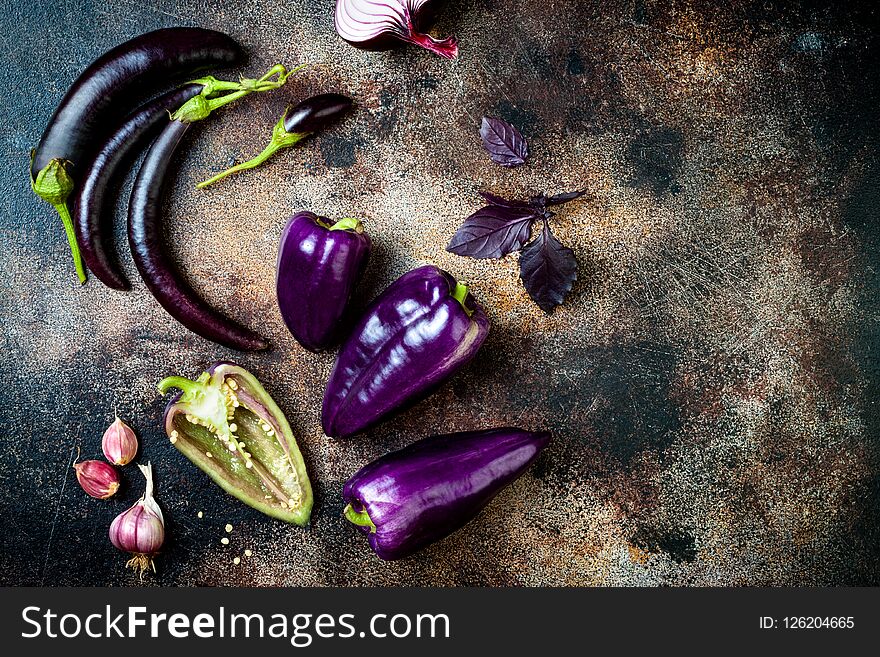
x,y
349,223
54,185
359,518
199,107
460,294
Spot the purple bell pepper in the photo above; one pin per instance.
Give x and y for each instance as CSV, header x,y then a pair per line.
x,y
318,267
421,330
410,498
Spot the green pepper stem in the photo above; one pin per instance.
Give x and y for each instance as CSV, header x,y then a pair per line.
x,y
361,519
460,294
349,223
280,139
181,382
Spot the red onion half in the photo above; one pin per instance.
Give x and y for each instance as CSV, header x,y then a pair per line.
x,y
379,24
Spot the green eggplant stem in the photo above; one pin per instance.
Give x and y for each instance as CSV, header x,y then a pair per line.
x,y
361,519
280,139
200,106
66,219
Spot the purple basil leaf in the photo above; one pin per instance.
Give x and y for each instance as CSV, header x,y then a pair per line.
x,y
492,232
559,199
548,269
505,144
494,199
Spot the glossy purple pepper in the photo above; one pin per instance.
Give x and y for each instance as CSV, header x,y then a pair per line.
x,y
319,264
410,498
420,331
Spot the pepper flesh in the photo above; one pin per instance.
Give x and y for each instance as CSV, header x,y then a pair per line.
x,y
227,424
421,330
318,266
410,498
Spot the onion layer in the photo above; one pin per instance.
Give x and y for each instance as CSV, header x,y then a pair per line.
x,y
380,24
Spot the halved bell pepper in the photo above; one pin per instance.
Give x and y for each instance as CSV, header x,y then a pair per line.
x,y
227,424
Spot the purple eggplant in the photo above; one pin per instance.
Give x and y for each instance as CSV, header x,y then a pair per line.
x,y
227,424
410,498
172,292
108,89
318,267
420,331
90,208
311,115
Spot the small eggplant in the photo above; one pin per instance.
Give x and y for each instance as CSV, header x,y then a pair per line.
x,y
227,424
104,93
173,293
410,498
90,206
318,267
420,331
311,115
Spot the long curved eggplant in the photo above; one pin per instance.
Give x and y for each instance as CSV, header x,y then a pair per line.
x,y
90,204
421,330
107,90
100,94
156,268
145,213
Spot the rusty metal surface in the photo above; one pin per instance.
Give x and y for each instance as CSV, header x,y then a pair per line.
x,y
711,382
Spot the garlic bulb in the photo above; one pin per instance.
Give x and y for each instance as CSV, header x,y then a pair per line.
x,y
141,529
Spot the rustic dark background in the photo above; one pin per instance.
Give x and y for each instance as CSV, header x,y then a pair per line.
x,y
711,383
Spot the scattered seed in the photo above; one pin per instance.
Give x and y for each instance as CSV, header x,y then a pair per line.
x,y
233,427
249,464
228,528
224,540
200,514
209,455
248,553
236,561
173,439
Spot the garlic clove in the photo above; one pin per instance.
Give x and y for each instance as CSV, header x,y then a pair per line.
x,y
98,479
119,443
